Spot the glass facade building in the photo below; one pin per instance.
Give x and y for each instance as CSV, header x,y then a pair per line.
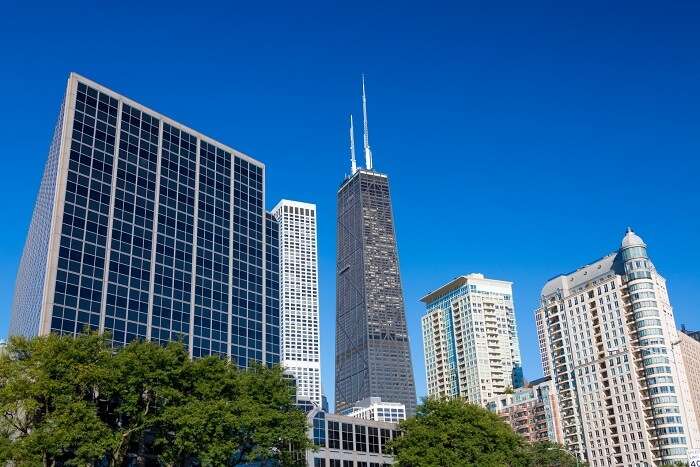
x,y
373,357
149,230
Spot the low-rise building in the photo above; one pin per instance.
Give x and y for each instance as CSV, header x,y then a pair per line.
x,y
344,441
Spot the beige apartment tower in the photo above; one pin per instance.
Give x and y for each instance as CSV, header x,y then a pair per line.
x,y
614,357
690,348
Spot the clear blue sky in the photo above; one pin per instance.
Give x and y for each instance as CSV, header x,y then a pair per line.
x,y
520,139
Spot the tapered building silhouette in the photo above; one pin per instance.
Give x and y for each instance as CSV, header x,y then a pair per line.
x,y
373,356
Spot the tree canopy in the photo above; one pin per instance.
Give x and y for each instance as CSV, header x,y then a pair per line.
x,y
77,401
456,433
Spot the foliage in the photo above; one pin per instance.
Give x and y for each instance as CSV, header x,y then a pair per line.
x,y
77,401
551,454
48,392
457,433
453,432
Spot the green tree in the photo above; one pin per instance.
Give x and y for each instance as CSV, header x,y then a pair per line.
x,y
48,389
77,401
456,433
545,453
147,379
226,412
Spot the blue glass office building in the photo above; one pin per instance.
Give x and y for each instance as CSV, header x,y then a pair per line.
x,y
149,230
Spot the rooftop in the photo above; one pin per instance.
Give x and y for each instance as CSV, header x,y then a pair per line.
x,y
632,239
565,282
458,282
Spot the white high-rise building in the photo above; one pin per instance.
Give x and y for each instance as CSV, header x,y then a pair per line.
x,y
470,340
373,408
614,356
300,347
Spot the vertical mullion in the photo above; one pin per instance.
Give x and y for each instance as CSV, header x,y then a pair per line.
x,y
154,238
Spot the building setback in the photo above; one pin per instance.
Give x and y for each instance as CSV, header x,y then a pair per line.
x,y
149,230
470,340
300,346
622,389
373,357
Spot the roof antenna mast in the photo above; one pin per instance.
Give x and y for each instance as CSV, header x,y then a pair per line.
x,y
368,151
353,162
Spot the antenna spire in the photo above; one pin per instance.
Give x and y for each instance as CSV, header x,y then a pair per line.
x,y
368,151
353,162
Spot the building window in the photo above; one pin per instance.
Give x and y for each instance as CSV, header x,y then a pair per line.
x,y
373,439
385,437
360,438
347,436
333,435
319,462
320,429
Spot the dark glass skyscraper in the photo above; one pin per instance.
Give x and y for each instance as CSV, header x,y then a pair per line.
x,y
373,356
149,230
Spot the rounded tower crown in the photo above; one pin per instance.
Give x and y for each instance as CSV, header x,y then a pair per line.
x,y
633,246
632,239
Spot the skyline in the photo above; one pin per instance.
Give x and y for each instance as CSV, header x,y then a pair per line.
x,y
649,113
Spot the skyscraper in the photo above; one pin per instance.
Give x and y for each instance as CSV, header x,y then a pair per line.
x,y
614,356
373,356
470,340
690,349
300,346
149,230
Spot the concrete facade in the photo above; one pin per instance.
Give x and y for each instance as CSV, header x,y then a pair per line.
x,y
621,385
343,441
690,349
300,337
531,411
470,339
373,408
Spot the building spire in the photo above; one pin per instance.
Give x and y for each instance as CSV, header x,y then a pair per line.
x,y
353,162
368,151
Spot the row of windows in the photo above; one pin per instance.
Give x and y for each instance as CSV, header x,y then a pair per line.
x,y
321,462
349,437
